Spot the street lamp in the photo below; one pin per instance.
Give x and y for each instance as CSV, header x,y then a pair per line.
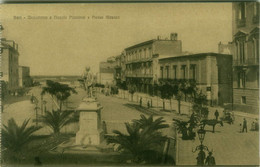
x,y
201,155
201,134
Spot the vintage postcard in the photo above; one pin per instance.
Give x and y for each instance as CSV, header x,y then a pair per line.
x,y
137,84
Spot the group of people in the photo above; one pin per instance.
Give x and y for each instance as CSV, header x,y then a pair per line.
x,y
254,126
203,160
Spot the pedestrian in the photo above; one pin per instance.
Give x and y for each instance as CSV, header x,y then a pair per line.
x,y
200,158
216,114
240,128
148,104
244,125
141,101
253,126
210,160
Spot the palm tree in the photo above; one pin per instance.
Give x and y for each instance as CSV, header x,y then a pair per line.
x,y
15,138
143,138
182,128
57,119
150,123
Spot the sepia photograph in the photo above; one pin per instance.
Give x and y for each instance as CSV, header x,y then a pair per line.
x,y
129,84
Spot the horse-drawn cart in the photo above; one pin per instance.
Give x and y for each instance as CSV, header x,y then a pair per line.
x,y
228,116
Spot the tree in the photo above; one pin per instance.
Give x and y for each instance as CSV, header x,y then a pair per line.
x,y
188,88
142,139
199,105
60,91
57,119
177,94
16,138
151,123
166,93
132,90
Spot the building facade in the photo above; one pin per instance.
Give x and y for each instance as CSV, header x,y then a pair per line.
x,y
141,61
210,71
10,65
25,79
119,74
107,72
245,30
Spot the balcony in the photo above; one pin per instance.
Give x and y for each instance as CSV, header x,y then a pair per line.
x,y
139,60
138,75
246,62
241,22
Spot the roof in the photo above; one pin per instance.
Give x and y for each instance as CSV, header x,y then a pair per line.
x,y
196,55
141,44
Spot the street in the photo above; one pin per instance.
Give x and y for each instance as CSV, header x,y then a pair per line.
x,y
228,145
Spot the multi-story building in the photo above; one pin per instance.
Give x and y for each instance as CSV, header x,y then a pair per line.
x,y
211,72
142,60
10,64
107,72
245,30
25,79
119,74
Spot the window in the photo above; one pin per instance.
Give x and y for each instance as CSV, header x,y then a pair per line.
x,y
193,71
242,51
243,99
174,72
256,9
145,54
241,82
167,72
183,69
161,69
242,11
150,52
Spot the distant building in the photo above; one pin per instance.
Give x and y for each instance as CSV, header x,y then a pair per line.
x,y
225,48
245,26
141,61
211,72
119,74
107,72
10,64
25,79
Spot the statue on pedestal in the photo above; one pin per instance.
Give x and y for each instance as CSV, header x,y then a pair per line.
x,y
88,78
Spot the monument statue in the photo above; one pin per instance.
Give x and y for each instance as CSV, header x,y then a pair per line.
x,y
88,79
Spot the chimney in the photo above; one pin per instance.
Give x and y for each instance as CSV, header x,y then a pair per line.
x,y
174,36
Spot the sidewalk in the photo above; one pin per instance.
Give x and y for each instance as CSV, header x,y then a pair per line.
x,y
186,107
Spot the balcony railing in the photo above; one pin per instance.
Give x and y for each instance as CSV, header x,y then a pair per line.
x,y
138,75
245,62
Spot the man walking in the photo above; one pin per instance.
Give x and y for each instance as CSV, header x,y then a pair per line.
x,y
244,125
216,114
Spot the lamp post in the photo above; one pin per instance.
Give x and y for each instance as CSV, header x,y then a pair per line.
x,y
201,155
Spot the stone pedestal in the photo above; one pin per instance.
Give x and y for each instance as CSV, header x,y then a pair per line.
x,y
90,130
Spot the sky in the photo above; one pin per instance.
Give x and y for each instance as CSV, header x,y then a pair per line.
x,y
66,46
